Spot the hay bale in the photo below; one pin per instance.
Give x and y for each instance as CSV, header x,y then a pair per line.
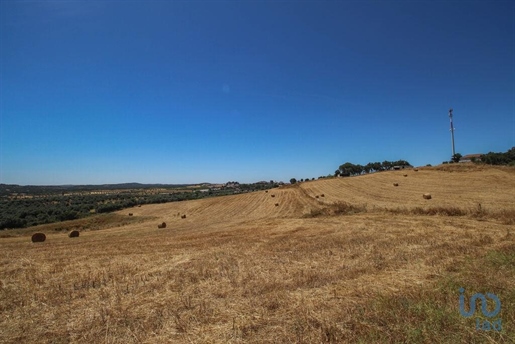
x,y
38,237
266,191
74,234
130,214
162,225
322,195
277,204
316,196
426,196
183,216
405,175
272,195
416,170
395,184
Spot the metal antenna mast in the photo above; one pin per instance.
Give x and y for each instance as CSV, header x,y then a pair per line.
x,y
452,133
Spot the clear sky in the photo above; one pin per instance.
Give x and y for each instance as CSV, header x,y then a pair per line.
x,y
95,92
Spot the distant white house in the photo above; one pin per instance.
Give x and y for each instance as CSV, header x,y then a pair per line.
x,y
471,157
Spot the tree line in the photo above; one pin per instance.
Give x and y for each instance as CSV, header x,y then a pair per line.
x,y
349,169
27,211
506,158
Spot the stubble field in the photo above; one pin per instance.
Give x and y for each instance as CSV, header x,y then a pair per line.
x,y
367,262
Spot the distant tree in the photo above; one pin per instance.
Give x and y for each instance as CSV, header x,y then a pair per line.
x,y
376,166
271,181
313,178
456,157
401,163
69,215
346,169
387,165
293,181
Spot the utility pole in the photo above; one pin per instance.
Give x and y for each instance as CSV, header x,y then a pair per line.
x,y
452,133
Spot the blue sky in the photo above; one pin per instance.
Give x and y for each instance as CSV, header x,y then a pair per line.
x,y
100,92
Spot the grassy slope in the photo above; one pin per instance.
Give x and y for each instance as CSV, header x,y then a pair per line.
x,y
240,269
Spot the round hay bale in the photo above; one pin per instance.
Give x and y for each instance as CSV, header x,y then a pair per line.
x,y
183,216
395,184
416,170
322,195
272,195
426,196
74,234
316,196
130,214
162,225
405,175
266,191
277,204
38,237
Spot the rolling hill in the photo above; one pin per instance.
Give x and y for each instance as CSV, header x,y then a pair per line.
x,y
463,187
368,262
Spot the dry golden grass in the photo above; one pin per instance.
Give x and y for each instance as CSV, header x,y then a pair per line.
x,y
464,188
350,267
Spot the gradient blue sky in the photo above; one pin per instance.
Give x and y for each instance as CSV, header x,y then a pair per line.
x,y
100,92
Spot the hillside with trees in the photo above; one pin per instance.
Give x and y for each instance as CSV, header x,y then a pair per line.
x,y
24,206
492,158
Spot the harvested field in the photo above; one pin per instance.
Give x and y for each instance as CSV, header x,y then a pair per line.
x,y
491,187
240,269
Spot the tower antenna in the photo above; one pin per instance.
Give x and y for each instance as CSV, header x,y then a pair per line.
x,y
452,133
